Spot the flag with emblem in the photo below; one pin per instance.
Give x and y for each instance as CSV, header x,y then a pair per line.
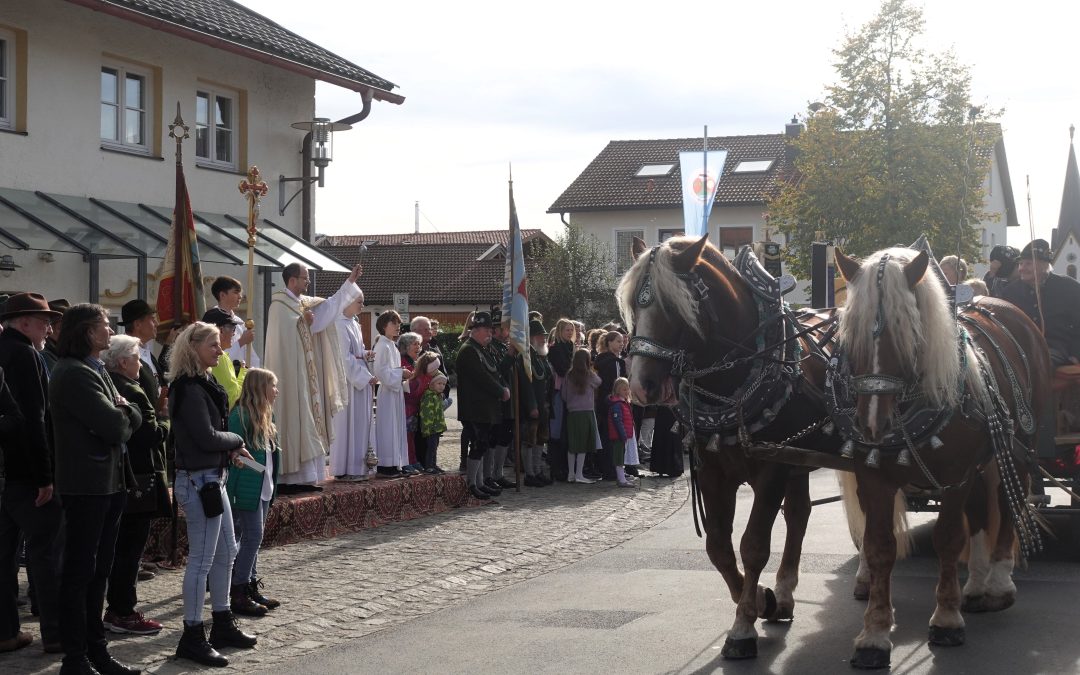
x,y
515,291
180,298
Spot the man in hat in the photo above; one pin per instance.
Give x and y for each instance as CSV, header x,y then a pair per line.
x,y
502,434
140,321
50,353
1056,307
480,395
28,505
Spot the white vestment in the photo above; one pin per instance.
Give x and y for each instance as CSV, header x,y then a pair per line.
x,y
311,379
352,426
391,443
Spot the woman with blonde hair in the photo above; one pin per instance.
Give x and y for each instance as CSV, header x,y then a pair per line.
x,y
251,491
199,409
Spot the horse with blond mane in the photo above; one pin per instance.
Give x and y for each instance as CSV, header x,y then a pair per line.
x,y
978,376
737,367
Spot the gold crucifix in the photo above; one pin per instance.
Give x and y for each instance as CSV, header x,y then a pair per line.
x,y
253,188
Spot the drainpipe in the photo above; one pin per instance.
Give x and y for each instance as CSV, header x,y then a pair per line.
x,y
562,217
305,193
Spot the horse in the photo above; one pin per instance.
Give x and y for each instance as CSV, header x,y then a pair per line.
x,y
981,373
685,304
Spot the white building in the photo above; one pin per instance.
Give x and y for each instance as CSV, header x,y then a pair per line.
x,y
87,169
633,188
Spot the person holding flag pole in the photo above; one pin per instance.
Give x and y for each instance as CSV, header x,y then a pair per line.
x,y
516,315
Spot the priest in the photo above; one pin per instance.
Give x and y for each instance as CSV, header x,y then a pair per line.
x,y
352,426
306,357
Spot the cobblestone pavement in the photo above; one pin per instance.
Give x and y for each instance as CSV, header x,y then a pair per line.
x,y
344,588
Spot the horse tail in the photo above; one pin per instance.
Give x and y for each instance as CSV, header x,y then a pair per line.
x,y
856,518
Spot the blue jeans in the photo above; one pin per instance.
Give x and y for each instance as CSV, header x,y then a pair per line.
x,y
249,534
211,545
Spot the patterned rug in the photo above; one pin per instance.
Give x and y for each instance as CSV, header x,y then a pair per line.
x,y
341,507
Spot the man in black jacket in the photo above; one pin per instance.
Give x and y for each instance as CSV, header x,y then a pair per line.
x,y
480,395
28,505
1059,313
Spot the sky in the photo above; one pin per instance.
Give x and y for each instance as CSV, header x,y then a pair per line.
x,y
543,87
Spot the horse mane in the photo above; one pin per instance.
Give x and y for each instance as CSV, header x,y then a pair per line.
x,y
922,329
672,293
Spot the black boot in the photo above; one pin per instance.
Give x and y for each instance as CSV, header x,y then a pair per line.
x,y
105,664
241,602
226,632
478,493
255,594
79,667
193,646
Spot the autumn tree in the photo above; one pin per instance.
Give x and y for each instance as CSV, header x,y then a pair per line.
x,y
573,277
896,149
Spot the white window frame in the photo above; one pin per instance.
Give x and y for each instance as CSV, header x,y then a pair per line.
x,y
640,232
8,82
123,70
210,161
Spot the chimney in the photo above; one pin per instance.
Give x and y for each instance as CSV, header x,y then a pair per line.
x,y
791,132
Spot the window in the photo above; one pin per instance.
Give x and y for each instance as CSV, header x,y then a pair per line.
x,y
668,234
752,166
734,238
654,170
125,108
7,80
215,129
624,249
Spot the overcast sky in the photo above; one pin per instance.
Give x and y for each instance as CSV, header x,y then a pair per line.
x,y
547,85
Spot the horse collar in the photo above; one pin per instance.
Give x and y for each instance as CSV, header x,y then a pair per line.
x,y
879,322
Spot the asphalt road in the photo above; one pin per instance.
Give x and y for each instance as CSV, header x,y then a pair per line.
x,y
654,604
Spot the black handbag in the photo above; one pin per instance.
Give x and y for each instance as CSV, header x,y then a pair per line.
x,y
212,502
149,496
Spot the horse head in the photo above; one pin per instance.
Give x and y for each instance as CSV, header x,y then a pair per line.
x,y
677,299
899,336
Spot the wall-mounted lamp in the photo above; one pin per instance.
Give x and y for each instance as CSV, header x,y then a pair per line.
x,y
318,150
45,256
7,265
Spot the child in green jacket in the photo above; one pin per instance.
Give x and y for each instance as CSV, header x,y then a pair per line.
x,y
432,422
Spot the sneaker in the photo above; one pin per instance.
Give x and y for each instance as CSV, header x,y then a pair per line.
x,y
133,624
145,575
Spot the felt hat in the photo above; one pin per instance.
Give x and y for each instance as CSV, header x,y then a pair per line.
x,y
536,328
61,305
133,311
481,320
22,304
219,317
496,315
1038,249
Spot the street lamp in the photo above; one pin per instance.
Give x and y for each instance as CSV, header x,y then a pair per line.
x,y
7,265
318,150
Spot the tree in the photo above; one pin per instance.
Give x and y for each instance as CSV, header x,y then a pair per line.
x,y
573,278
896,151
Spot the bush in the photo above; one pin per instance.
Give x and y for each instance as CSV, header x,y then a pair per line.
x,y
447,341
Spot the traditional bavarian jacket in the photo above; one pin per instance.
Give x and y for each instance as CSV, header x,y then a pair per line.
x,y
480,388
542,381
1061,308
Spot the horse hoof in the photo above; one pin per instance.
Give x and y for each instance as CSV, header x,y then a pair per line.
x,y
770,606
745,648
946,637
861,591
987,603
784,613
870,658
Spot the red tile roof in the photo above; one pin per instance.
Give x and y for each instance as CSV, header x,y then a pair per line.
x,y
439,269
488,237
609,182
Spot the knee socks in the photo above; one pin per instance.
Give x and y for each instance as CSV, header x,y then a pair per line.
x,y
498,460
472,472
488,464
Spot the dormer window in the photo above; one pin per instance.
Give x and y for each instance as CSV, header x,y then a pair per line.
x,y
654,170
753,166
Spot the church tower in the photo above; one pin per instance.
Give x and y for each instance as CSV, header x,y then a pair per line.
x,y
1065,242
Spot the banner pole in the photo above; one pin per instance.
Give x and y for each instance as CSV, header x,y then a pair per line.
x,y
515,397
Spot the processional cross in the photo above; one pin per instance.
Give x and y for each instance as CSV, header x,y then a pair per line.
x,y
254,189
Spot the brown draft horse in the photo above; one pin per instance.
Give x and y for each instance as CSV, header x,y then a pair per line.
x,y
897,327
677,321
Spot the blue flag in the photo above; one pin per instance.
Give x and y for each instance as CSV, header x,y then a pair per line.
x,y
699,189
515,291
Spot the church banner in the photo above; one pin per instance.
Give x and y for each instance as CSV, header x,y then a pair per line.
x,y
515,289
180,298
700,175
